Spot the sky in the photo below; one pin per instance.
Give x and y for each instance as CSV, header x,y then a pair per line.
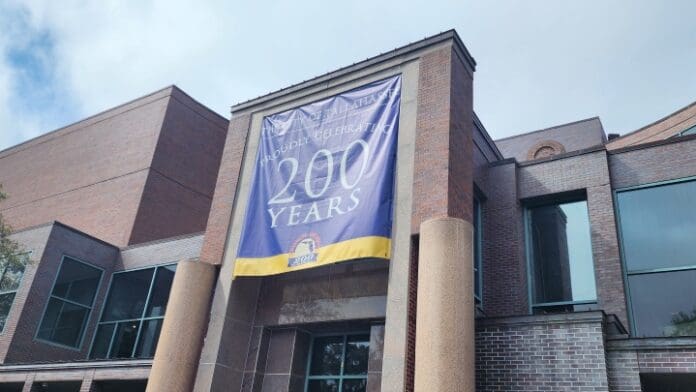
x,y
540,63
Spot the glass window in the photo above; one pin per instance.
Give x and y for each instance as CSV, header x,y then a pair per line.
x,y
339,363
560,253
688,131
10,277
132,317
70,303
657,226
478,254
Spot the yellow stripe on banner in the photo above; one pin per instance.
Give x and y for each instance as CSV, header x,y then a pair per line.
x,y
357,248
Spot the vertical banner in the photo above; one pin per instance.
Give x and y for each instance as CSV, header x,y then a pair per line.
x,y
323,183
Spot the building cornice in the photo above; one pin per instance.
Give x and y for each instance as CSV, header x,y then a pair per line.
x,y
451,35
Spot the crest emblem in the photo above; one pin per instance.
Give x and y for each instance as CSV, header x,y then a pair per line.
x,y
304,250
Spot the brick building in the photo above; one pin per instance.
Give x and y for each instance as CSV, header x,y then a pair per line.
x,y
554,260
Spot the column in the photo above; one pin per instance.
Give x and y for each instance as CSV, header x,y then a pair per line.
x,y
445,354
176,359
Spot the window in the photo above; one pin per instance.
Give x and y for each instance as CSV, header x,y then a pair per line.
x,y
70,303
560,254
133,315
657,226
688,131
478,280
338,363
10,277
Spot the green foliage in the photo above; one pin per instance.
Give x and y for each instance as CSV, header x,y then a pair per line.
x,y
683,324
11,253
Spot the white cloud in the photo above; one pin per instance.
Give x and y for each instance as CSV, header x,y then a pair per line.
x,y
540,63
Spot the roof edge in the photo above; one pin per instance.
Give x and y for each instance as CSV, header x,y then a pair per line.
x,y
654,122
554,127
487,136
370,61
170,87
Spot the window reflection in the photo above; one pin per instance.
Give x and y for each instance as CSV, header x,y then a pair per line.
x,y
11,274
560,250
70,303
132,318
657,226
339,363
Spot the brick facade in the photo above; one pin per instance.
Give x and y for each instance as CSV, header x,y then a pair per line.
x,y
158,180
547,353
142,171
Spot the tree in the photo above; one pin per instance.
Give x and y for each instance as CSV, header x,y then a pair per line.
x,y
12,254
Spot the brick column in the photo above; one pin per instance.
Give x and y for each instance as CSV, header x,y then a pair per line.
x,y
176,359
442,213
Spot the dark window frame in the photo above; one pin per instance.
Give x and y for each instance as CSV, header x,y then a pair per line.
x,y
26,256
83,328
141,320
542,201
478,249
622,252
341,377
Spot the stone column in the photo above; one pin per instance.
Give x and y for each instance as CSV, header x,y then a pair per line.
x,y
176,359
445,354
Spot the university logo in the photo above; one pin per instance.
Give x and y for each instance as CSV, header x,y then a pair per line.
x,y
304,250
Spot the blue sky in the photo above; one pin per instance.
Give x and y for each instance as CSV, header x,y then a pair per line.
x,y
540,63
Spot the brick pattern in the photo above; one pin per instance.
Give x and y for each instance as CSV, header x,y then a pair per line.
x,y
444,123
412,307
667,361
573,137
563,175
160,252
431,161
461,143
62,241
653,164
33,240
623,371
590,173
504,264
225,190
156,157
605,250
541,357
90,177
179,189
662,129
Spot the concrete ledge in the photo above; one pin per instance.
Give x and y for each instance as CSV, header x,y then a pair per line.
x,y
595,316
131,363
634,344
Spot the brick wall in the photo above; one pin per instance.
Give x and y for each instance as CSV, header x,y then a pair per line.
x,y
541,353
225,190
89,175
667,361
623,371
62,241
504,265
673,159
662,129
171,250
33,240
574,136
179,189
627,359
142,171
444,125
